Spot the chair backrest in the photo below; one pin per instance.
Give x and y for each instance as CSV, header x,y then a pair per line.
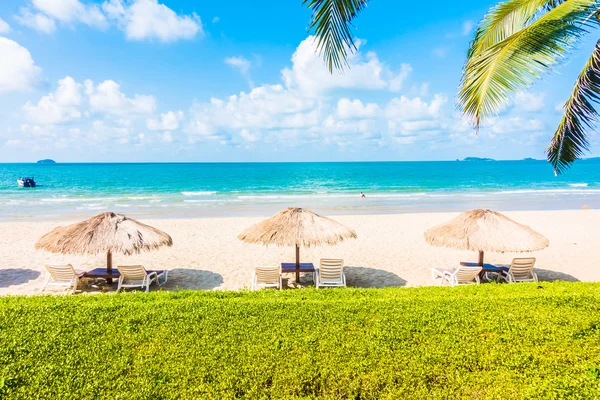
x,y
267,275
132,272
521,268
61,273
466,274
330,270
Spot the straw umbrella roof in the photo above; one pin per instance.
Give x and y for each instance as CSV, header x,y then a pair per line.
x,y
486,230
105,233
297,227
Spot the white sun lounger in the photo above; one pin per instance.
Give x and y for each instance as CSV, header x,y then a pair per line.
x,y
266,277
137,276
520,270
457,276
330,273
62,275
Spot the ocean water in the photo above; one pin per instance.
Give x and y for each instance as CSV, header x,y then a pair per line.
x,y
232,189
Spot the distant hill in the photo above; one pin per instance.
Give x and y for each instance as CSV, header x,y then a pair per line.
x,y
46,161
478,159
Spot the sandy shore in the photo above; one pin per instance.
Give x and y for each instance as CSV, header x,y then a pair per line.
x,y
390,251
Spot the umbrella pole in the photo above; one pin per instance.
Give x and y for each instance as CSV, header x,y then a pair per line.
x,y
480,258
297,264
109,266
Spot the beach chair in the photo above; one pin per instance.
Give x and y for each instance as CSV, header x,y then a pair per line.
x,y
136,276
520,270
62,275
330,273
267,277
458,276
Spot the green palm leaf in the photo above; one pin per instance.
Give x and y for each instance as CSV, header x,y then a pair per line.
x,y
331,21
506,19
570,139
511,65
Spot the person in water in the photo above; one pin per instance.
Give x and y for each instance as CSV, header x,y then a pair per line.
x,y
362,195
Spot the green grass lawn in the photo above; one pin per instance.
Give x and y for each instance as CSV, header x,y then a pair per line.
x,y
490,341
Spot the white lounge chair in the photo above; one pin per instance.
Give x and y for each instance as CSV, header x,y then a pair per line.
x,y
266,277
137,276
520,270
62,275
330,273
458,276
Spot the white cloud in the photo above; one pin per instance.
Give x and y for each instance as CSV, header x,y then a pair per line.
x,y
38,21
70,11
58,107
530,101
414,109
397,81
467,27
508,125
168,121
347,109
107,97
167,137
240,63
215,20
18,71
4,26
310,75
269,107
148,19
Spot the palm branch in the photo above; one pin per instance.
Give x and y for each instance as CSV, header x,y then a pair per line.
x,y
570,139
331,21
517,42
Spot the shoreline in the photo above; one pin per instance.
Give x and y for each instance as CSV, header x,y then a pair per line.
x,y
390,251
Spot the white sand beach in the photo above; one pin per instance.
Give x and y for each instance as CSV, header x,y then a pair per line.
x,y
390,251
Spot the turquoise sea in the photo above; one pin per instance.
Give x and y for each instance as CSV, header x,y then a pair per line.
x,y
205,189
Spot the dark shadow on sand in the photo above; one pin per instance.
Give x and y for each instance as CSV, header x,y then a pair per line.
x,y
546,275
365,277
17,276
183,278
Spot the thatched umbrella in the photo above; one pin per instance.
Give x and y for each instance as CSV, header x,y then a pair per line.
x,y
105,233
486,230
297,227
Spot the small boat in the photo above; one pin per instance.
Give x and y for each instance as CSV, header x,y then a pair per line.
x,y
26,182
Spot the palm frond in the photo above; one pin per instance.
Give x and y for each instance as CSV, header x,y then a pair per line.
x,y
331,21
505,19
570,140
514,63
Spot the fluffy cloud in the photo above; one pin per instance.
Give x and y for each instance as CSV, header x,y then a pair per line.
x,y
58,107
37,21
414,109
347,109
107,98
310,75
4,26
240,63
139,19
18,71
530,101
148,19
509,125
269,107
70,11
167,122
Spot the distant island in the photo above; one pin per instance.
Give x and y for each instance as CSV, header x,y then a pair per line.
x,y
530,159
46,161
478,159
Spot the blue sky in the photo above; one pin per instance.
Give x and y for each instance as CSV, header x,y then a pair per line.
x,y
181,80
